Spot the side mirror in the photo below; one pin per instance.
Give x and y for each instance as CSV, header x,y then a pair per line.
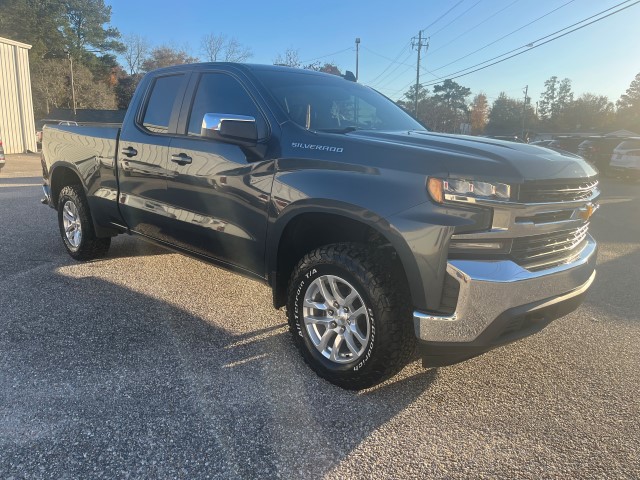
x,y
229,128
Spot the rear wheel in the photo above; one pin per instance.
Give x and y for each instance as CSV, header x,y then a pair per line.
x,y
76,227
349,317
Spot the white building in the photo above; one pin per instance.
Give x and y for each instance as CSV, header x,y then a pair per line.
x,y
17,128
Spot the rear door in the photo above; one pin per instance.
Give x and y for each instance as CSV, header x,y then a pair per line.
x,y
144,155
219,191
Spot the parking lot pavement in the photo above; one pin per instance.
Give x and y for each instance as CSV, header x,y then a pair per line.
x,y
149,364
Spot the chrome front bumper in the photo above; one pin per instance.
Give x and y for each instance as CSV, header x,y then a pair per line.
x,y
488,289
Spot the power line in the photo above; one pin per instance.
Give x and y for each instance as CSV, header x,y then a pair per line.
x,y
530,45
474,27
388,66
442,28
505,36
385,57
387,75
375,80
442,16
328,55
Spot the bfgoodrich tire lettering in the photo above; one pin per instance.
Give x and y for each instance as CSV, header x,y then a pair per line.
x,y
355,336
76,227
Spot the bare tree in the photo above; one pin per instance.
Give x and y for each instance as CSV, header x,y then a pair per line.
x,y
136,52
236,52
166,56
212,46
289,58
220,48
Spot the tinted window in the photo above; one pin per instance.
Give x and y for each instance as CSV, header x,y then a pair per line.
x,y
629,145
328,102
160,105
220,93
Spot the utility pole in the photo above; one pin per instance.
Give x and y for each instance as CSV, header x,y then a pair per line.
x,y
357,55
524,109
73,88
417,44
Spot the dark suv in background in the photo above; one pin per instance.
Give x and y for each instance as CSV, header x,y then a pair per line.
x,y
598,150
568,143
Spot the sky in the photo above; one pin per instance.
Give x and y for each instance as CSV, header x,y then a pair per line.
x,y
601,58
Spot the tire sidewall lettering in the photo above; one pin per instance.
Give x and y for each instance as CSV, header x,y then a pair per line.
x,y
303,282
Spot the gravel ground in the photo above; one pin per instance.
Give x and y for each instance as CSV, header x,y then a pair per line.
x,y
149,364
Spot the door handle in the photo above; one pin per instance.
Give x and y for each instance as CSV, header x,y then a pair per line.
x,y
181,158
129,152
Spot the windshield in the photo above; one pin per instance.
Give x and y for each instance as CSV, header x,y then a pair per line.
x,y
326,103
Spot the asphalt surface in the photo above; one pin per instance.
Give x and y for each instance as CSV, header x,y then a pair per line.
x,y
149,364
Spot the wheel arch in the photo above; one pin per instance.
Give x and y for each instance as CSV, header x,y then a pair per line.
x,y
306,228
63,174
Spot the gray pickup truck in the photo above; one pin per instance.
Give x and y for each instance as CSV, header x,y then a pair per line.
x,y
377,235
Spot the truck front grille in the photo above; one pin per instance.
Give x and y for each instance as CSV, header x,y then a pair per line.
x,y
535,192
544,251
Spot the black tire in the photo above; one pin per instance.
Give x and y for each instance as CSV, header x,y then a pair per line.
x,y
89,246
392,340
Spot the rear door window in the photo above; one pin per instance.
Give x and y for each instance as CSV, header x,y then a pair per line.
x,y
157,115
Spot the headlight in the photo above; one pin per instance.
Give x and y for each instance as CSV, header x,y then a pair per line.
x,y
452,188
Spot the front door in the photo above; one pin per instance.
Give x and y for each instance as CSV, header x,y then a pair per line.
x,y
219,192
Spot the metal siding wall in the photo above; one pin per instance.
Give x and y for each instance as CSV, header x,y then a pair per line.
x,y
17,128
9,117
28,123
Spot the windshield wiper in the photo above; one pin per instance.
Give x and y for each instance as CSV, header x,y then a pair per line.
x,y
337,130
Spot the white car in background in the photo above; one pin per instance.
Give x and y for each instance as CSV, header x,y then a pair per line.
x,y
1,155
625,160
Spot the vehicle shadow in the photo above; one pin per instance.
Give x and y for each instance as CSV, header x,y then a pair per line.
x,y
124,246
99,379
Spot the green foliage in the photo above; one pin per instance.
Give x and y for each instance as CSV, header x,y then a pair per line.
x,y
51,85
452,94
57,30
84,29
36,22
505,117
590,112
629,107
479,113
125,88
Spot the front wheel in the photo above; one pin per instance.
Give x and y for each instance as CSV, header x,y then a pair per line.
x,y
76,228
349,316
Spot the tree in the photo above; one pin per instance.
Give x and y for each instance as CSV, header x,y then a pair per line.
x,y
89,92
505,117
479,113
407,102
453,97
136,52
36,22
290,58
590,112
548,98
125,88
219,48
555,103
629,106
52,87
165,56
565,96
86,28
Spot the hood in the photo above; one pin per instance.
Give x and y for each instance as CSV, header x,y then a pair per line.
x,y
480,157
